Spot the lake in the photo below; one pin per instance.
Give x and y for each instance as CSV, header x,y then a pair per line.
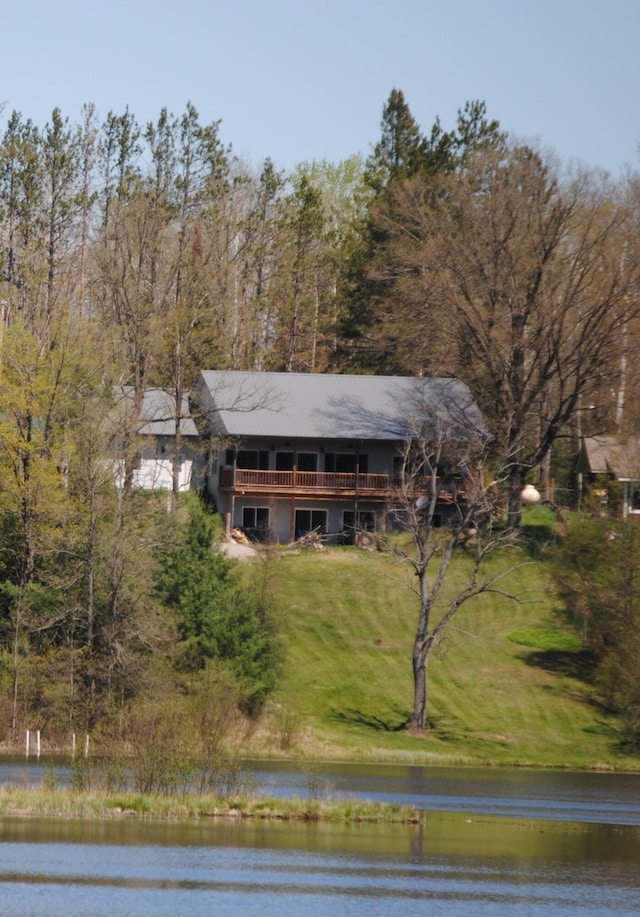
x,y
495,842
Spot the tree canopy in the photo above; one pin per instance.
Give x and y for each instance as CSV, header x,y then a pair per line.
x,y
137,254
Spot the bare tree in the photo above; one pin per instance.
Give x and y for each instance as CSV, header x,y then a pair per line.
x,y
446,497
514,276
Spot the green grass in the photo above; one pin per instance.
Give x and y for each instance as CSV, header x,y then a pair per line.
x,y
67,803
549,639
347,690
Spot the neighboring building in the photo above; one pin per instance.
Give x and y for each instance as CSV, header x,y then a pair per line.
x,y
297,452
155,427
617,458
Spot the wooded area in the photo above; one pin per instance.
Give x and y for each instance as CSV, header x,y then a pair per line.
x,y
139,254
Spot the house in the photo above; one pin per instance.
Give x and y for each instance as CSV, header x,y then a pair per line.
x,y
155,426
617,458
296,452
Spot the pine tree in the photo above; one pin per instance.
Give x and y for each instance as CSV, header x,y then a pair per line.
x,y
400,152
218,620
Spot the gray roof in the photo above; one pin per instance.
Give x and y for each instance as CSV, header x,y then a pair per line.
x,y
311,405
613,455
158,417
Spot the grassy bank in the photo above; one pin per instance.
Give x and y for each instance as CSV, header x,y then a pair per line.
x,y
494,698
61,802
508,686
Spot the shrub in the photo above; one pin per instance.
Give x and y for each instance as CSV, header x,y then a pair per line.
x,y
597,569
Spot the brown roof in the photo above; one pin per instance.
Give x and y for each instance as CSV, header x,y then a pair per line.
x,y
613,455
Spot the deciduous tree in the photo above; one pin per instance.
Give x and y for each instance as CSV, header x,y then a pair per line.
x,y
518,272
444,462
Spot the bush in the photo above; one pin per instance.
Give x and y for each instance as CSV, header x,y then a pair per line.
x,y
597,570
162,757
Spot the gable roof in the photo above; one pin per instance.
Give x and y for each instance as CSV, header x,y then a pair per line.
x,y
313,405
613,455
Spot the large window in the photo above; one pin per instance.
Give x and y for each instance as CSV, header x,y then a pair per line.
x,y
307,461
308,520
345,463
304,461
284,461
253,459
249,458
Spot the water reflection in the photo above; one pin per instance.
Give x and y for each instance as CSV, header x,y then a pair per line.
x,y
453,865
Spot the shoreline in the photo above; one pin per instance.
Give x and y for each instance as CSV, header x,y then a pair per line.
x,y
66,806
420,759
65,802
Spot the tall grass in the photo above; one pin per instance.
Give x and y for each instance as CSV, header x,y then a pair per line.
x,y
63,802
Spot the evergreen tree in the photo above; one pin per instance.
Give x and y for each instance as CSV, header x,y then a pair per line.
x,y
300,279
217,619
370,335
21,213
119,149
401,150
63,204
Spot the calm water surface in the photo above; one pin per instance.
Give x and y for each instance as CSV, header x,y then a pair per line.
x,y
560,795
564,844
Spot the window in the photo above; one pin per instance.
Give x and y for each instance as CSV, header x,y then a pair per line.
x,y
308,520
255,518
284,461
251,459
303,461
307,461
345,462
366,521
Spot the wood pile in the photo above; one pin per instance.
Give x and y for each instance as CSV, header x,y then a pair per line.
x,y
239,537
313,539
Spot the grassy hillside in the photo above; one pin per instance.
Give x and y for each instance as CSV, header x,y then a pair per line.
x,y
346,691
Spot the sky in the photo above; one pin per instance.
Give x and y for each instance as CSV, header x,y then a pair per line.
x,y
296,80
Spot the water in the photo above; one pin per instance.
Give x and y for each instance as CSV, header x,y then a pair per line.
x,y
451,866
606,798
569,845
560,795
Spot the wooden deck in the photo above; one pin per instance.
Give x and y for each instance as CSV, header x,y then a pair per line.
x,y
315,483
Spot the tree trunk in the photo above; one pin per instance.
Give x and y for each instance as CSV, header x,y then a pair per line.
x,y
419,718
421,649
514,506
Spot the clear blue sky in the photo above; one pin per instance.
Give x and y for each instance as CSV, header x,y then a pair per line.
x,y
299,80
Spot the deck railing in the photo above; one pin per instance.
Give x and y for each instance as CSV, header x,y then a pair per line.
x,y
305,480
327,482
